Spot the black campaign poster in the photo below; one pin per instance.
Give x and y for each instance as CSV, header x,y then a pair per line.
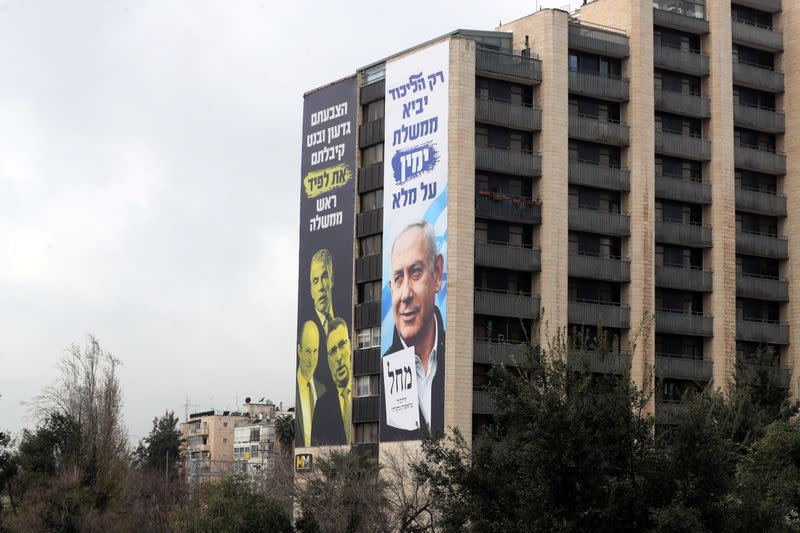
x,y
324,306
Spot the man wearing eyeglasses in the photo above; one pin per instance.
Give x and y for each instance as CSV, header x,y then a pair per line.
x,y
334,408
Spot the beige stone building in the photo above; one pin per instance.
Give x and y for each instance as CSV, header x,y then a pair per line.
x,y
629,163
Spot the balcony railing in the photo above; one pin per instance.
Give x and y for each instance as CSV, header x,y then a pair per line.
x,y
597,313
764,203
596,130
502,113
520,67
683,190
370,133
770,6
599,86
685,279
507,208
756,36
670,366
502,303
686,61
481,405
686,146
683,234
598,40
601,177
761,288
615,269
504,353
589,220
688,8
504,255
682,104
679,323
758,160
599,362
762,245
370,177
758,118
499,159
757,77
689,20
768,332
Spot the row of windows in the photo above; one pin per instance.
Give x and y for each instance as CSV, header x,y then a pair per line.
x,y
369,338
367,386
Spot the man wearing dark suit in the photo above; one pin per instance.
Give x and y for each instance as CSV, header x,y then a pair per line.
x,y
333,415
321,288
415,277
309,389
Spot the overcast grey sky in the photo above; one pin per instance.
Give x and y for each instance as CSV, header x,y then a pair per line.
x,y
149,167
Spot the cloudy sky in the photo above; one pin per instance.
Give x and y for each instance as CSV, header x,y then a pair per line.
x,y
149,167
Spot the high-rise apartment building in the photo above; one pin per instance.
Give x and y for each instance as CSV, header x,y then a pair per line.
x,y
633,159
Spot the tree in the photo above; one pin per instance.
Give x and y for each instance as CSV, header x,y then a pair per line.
x,y
284,432
160,449
9,468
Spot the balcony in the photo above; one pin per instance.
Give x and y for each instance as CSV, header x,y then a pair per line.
x,y
756,36
760,119
681,234
595,313
370,177
508,115
594,175
758,160
675,367
685,279
596,130
589,220
599,86
691,105
757,77
761,245
683,190
369,222
508,209
679,323
598,40
689,20
768,332
504,255
370,133
503,303
684,146
517,68
761,288
366,409
615,269
505,160
501,353
367,315
368,268
770,6
599,362
372,92
367,361
761,202
686,61
481,405
778,376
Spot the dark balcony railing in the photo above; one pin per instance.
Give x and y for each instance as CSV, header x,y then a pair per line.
x,y
524,68
601,177
691,105
679,323
683,190
481,405
758,118
509,209
617,269
688,8
599,362
373,92
499,159
762,245
778,376
762,202
770,6
502,113
502,303
367,315
758,160
671,366
755,36
369,222
505,353
366,409
689,21
589,220
368,268
367,361
686,146
599,86
686,279
686,61
504,255
761,288
370,133
757,77
596,313
598,40
596,130
370,177
768,332
683,234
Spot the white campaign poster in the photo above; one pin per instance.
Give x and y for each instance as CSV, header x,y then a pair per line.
x,y
400,379
414,294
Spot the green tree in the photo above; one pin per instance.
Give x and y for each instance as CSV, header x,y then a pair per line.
x,y
284,432
9,468
160,449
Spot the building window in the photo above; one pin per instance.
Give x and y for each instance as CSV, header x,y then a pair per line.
x,y
372,155
366,433
373,111
372,200
371,245
224,441
369,292
369,338
367,386
376,73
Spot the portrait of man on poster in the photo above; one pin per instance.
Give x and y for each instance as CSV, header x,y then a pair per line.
x,y
309,389
334,408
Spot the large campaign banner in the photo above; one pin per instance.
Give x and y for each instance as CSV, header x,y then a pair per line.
x,y
323,404
414,299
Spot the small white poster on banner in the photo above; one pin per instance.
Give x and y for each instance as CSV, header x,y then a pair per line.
x,y
400,389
